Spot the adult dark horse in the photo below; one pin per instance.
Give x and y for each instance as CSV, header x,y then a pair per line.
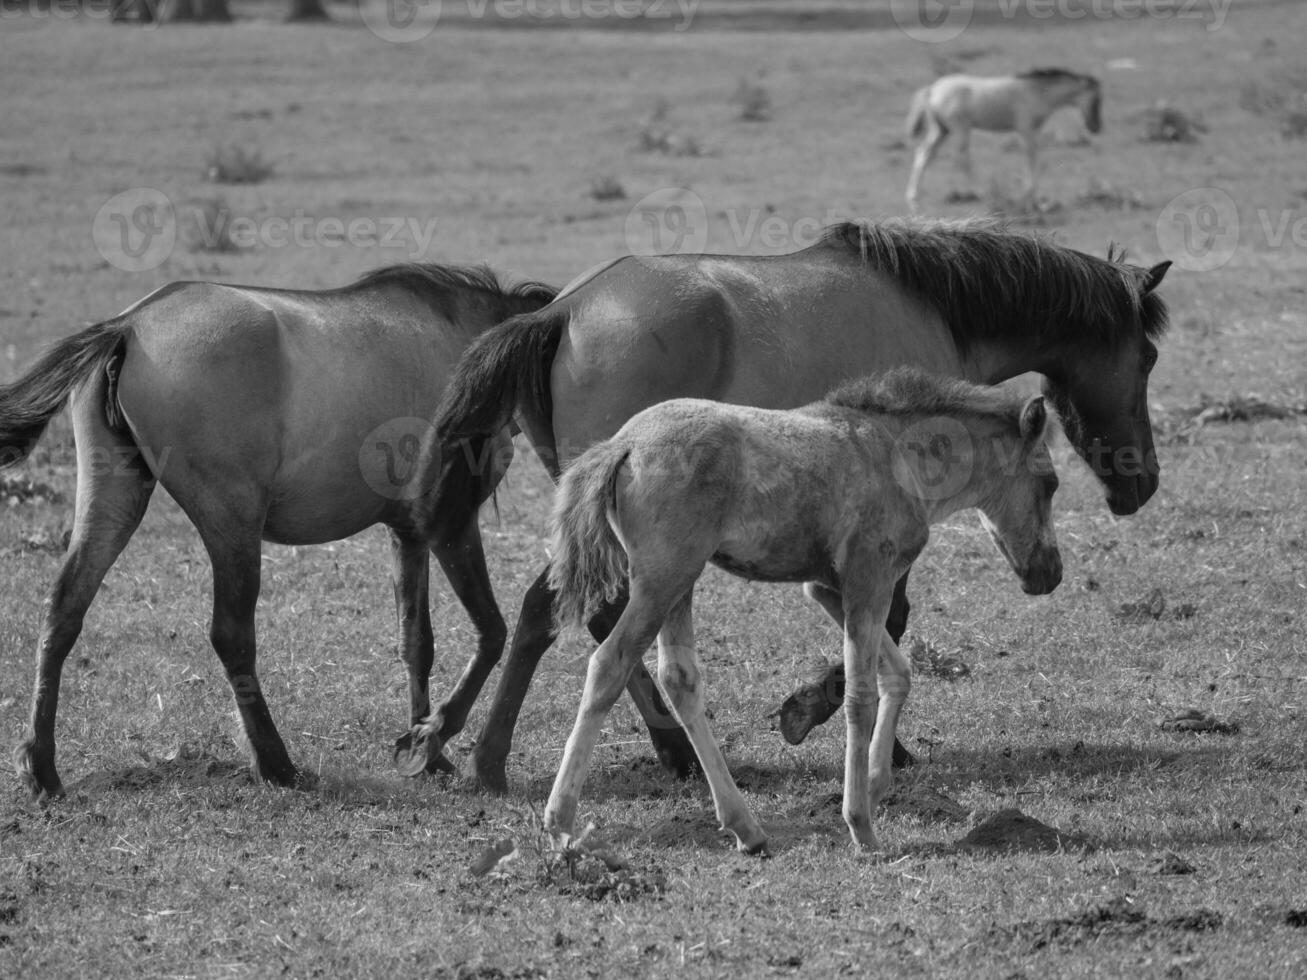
x,y
268,414
968,300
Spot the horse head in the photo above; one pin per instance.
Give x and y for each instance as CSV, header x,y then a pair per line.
x,y
1091,389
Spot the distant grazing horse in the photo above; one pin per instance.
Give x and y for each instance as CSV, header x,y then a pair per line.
x,y
962,299
267,414
1012,102
840,495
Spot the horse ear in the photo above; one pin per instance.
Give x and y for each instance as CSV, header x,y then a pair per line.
x,y
1034,419
1153,277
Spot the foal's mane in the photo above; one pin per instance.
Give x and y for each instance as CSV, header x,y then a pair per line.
x,y
912,391
436,282
1057,75
989,282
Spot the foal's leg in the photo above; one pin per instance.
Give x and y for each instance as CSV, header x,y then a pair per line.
x,y
925,153
1030,137
813,704
113,490
678,670
533,636
964,153
670,742
233,542
610,668
878,680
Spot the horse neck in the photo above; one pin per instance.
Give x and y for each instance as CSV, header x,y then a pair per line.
x,y
991,451
992,361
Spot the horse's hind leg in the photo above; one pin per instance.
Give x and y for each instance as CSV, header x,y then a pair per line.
x,y
608,672
464,562
233,542
113,490
925,153
678,670
410,575
814,703
670,741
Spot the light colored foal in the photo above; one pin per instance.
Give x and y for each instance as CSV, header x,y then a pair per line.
x,y
1019,103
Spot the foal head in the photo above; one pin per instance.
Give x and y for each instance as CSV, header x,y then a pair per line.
x,y
1016,501
1062,87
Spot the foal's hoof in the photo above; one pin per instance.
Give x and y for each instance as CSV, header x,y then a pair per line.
x,y
803,711
418,752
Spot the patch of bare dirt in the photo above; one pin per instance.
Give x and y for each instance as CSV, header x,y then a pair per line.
x,y
1193,720
1153,607
1117,918
1012,830
184,765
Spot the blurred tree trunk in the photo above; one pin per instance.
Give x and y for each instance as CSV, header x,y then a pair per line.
x,y
307,10
194,11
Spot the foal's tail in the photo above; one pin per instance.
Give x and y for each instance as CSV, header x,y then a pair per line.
x,y
915,124
28,404
589,566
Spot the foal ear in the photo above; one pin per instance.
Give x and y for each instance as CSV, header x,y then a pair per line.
x,y
1153,277
1034,419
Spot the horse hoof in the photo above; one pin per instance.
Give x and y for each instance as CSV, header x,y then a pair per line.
x,y
490,777
418,754
902,757
674,760
803,711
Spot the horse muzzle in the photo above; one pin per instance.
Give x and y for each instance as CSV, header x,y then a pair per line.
x,y
1043,573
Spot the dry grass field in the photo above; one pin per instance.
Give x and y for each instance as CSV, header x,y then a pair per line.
x,y
1179,854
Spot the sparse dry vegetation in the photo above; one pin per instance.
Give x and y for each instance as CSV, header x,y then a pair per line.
x,y
1114,784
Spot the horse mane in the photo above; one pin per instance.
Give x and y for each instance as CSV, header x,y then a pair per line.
x,y
1057,75
435,282
912,391
989,282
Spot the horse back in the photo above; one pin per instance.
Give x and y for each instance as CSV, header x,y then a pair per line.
x,y
274,394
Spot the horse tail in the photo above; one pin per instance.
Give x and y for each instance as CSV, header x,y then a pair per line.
x,y
589,565
915,124
28,404
506,369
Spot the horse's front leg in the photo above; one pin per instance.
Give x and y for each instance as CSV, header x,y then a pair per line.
x,y
893,682
814,703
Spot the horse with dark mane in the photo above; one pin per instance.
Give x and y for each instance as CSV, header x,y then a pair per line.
x,y
1020,103
968,300
839,495
277,415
